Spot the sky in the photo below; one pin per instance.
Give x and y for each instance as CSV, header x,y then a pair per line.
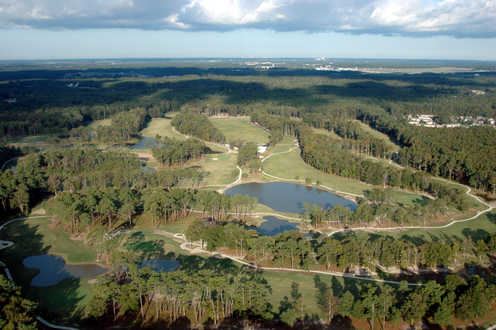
x,y
425,29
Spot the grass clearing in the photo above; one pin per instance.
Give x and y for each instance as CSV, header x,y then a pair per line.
x,y
67,298
477,228
149,238
102,122
240,129
54,240
281,286
378,135
179,226
37,141
162,127
221,169
278,166
36,237
323,131
280,283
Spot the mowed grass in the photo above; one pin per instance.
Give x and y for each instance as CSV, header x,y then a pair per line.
x,y
378,135
168,244
291,166
103,122
323,131
38,141
478,228
281,287
55,240
221,169
37,237
179,226
163,128
240,129
68,298
280,282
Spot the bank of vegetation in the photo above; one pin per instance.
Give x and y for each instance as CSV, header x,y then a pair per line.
x,y
197,125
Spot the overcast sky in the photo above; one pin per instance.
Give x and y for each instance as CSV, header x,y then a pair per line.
x,y
51,29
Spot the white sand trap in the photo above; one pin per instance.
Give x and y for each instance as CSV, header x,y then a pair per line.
x,y
215,158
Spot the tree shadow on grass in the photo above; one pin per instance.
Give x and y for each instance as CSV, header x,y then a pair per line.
x,y
492,217
192,264
57,303
476,234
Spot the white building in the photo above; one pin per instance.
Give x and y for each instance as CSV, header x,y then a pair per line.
x,y
262,148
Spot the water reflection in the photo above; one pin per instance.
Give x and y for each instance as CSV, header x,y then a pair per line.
x,y
289,197
53,270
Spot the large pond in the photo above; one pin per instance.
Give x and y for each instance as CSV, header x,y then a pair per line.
x,y
272,226
289,197
53,270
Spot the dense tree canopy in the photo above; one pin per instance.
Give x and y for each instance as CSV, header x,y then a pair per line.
x,y
197,125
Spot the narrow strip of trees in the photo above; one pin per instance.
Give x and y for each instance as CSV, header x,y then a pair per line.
x,y
198,125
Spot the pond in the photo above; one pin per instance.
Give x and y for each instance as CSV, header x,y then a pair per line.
x,y
272,226
53,270
161,265
289,197
145,143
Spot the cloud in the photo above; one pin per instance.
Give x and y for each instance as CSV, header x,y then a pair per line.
x,y
459,18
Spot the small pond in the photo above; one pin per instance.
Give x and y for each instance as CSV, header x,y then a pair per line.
x,y
145,143
272,226
53,270
289,197
161,265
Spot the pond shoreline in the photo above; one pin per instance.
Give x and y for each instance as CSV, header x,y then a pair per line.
x,y
289,197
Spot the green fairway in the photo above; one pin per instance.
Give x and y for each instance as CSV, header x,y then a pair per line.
x,y
67,299
326,132
278,166
221,169
103,122
240,129
378,135
281,286
54,240
37,237
163,128
179,226
480,227
151,242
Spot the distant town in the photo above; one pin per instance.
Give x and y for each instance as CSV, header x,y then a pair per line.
x,y
428,120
